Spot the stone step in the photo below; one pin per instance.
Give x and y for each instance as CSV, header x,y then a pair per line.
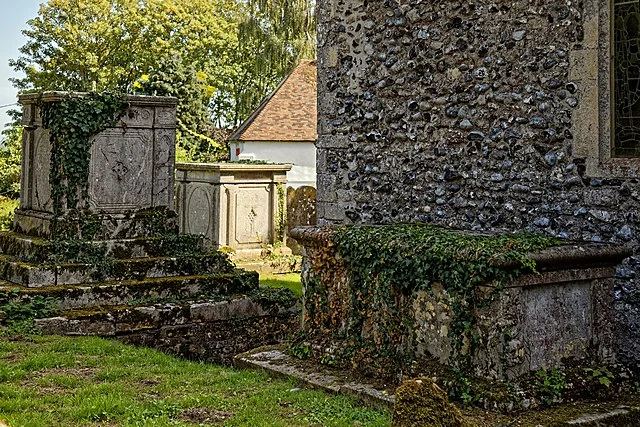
x,y
125,319
125,292
34,275
39,250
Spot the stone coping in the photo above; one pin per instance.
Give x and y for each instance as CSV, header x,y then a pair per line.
x,y
52,96
571,255
233,167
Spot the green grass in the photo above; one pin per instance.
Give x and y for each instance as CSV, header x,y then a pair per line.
x,y
6,210
61,381
288,280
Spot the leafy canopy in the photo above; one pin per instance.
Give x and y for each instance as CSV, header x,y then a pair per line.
x,y
242,48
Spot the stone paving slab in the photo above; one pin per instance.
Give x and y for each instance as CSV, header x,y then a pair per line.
x,y
275,361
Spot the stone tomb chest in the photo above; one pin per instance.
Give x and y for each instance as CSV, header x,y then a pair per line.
x,y
232,204
131,166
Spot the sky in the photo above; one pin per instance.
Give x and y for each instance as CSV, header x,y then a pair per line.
x,y
13,19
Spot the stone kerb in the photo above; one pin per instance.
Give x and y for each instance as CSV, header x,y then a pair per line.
x,y
232,204
131,165
538,321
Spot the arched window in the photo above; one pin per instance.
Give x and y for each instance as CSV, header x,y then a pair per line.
x,y
626,78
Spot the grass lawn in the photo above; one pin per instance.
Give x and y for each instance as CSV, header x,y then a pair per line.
x,y
61,381
288,280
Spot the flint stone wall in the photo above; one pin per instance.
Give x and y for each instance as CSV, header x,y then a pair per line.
x,y
484,116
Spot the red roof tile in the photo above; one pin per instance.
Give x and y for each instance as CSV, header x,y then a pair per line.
x,y
289,113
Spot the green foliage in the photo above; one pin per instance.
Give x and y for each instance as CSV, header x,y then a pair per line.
x,y
551,384
301,351
7,206
273,36
241,50
106,45
601,376
299,347
19,315
328,360
386,264
279,261
273,297
281,213
10,158
174,77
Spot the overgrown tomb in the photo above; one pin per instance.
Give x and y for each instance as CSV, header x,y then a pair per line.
x,y
95,247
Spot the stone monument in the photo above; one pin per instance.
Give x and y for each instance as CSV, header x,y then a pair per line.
x,y
240,206
106,257
131,166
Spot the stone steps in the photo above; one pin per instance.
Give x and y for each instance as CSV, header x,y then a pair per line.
x,y
39,250
120,293
31,275
128,319
209,329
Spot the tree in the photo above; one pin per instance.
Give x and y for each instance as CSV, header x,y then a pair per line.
x,y
273,35
173,77
82,45
238,49
10,150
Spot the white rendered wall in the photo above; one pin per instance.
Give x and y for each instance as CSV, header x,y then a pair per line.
x,y
302,155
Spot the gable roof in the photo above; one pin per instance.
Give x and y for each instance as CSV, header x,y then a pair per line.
x,y
289,113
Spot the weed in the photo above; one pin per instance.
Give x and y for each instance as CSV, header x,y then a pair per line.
x,y
328,360
13,311
601,376
550,385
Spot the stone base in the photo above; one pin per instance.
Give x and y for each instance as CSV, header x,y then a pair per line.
x,y
37,262
213,330
143,223
540,321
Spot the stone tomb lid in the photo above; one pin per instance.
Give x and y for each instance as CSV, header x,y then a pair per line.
x,y
234,167
52,96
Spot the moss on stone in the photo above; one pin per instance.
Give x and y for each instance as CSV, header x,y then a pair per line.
x,y
420,402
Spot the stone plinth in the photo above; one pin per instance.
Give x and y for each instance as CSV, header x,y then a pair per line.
x,y
230,204
131,166
565,312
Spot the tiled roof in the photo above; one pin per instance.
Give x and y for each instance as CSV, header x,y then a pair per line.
x,y
289,113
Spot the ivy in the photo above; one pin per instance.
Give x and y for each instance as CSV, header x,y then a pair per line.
x,y
386,264
71,122
281,213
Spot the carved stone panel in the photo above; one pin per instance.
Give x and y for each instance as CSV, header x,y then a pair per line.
x,y
41,165
166,116
121,169
546,332
253,215
199,209
164,159
138,117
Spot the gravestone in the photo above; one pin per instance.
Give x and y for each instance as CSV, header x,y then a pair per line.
x,y
131,167
301,211
232,204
